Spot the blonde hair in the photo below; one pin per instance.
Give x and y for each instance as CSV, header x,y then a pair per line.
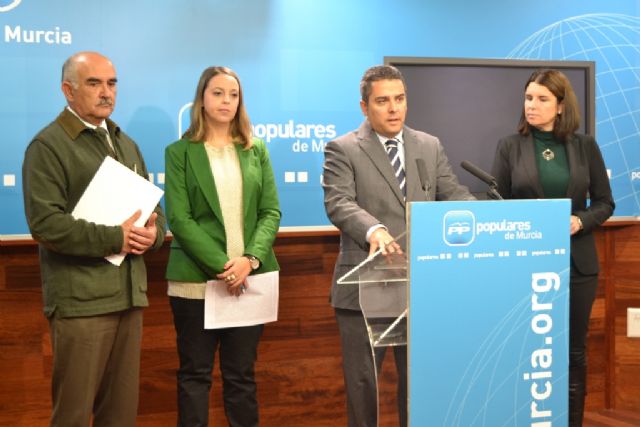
x,y
240,125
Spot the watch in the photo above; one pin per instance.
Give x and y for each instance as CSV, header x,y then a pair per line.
x,y
253,262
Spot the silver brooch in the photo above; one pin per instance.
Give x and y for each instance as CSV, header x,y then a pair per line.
x,y
548,155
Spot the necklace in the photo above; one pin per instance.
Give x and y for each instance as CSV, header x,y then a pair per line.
x,y
548,154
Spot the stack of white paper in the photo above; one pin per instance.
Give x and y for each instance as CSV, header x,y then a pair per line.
x,y
113,195
257,305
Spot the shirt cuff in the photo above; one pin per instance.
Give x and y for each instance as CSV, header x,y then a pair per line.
x,y
372,229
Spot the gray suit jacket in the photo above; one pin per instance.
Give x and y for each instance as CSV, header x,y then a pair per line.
x,y
361,190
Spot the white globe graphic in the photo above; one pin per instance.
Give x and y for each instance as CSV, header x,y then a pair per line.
x,y
7,6
613,42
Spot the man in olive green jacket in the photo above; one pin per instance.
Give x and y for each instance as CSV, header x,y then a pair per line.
x,y
93,306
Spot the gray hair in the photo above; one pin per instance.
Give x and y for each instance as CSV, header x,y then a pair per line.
x,y
70,66
70,70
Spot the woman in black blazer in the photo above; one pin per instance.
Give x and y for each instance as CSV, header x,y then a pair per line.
x,y
547,159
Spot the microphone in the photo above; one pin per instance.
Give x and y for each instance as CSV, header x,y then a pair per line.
x,y
484,177
478,173
422,173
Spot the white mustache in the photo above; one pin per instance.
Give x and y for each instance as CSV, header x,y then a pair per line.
x,y
105,102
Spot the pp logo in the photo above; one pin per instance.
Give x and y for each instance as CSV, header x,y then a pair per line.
x,y
4,7
458,228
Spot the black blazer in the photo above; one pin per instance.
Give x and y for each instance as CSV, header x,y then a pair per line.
x,y
515,169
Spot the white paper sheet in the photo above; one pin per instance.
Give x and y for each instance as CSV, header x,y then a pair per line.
x,y
257,305
113,195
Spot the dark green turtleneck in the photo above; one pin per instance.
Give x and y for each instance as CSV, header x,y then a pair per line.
x,y
554,173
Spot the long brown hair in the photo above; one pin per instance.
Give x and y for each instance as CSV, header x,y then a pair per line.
x,y
558,84
240,125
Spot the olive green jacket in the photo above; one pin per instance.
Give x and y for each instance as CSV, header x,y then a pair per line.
x,y
198,250
59,163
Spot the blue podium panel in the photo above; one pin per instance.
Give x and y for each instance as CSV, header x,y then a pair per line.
x,y
488,305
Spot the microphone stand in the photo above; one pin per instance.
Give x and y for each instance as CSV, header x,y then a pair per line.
x,y
493,191
484,177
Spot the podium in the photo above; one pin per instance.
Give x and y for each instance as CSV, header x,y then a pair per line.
x,y
488,331
481,300
383,292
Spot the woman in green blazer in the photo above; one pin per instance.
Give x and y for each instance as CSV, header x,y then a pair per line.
x,y
223,211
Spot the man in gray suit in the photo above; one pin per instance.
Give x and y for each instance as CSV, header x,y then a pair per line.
x,y
369,176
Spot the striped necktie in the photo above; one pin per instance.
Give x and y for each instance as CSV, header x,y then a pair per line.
x,y
394,156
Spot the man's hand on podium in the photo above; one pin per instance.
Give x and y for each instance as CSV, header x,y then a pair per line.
x,y
381,239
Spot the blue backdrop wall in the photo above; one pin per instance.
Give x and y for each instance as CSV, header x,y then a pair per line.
x,y
300,62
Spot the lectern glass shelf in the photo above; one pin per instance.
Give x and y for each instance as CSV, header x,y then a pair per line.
x,y
382,281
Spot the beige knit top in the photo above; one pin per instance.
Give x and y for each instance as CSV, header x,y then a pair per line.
x,y
227,176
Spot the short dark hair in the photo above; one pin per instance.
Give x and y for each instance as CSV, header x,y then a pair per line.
x,y
559,85
378,72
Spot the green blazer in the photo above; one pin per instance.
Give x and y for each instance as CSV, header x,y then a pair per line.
x,y
198,250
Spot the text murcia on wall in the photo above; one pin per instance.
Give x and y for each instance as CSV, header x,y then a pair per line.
x,y
17,34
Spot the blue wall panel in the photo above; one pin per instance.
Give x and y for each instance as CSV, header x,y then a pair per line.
x,y
300,63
